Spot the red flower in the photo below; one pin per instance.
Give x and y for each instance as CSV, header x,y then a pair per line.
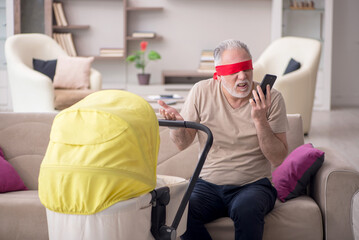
x,y
143,45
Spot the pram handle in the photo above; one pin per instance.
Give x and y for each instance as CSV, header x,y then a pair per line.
x,y
202,158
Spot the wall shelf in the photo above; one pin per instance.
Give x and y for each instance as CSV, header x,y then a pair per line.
x,y
129,38
144,8
304,9
70,27
108,58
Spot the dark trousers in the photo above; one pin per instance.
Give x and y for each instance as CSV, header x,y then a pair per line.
x,y
245,205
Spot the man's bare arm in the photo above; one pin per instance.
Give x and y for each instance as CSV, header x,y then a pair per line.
x,y
182,137
273,145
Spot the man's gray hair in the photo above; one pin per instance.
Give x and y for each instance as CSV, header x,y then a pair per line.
x,y
228,44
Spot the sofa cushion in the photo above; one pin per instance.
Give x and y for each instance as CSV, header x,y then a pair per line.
x,y
46,67
299,218
174,162
9,178
22,216
293,175
292,66
65,98
73,72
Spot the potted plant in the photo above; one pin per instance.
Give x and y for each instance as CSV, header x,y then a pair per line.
x,y
140,61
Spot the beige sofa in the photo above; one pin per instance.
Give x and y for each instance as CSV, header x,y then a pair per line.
x,y
330,212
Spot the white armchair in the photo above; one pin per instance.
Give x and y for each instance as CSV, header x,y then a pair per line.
x,y
32,91
297,87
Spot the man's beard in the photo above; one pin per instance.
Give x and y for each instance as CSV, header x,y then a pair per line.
x,y
234,93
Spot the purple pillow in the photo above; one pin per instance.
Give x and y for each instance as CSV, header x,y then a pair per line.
x,y
293,175
9,178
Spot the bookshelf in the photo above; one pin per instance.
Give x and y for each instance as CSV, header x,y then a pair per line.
x,y
50,26
127,8
57,26
295,18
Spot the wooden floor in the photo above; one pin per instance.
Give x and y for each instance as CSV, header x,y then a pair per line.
x,y
337,129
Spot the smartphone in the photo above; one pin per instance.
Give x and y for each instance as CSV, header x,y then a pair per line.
x,y
268,79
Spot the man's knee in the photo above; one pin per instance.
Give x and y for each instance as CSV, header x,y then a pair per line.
x,y
248,213
194,205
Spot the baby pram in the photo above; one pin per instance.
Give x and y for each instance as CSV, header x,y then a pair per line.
x,y
98,178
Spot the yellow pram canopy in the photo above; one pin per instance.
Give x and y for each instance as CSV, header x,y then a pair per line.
x,y
102,150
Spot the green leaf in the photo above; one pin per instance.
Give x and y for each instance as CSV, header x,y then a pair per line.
x,y
131,58
153,55
139,65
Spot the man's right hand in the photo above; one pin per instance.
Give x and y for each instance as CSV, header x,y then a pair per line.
x,y
182,137
169,113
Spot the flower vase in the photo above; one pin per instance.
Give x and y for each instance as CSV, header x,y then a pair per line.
x,y
143,78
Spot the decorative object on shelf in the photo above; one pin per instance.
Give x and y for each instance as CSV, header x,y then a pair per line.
x,y
143,34
206,63
302,5
139,59
112,52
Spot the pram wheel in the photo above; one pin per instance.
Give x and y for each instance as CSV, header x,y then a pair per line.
x,y
167,233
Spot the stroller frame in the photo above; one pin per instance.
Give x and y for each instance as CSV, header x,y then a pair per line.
x,y
161,197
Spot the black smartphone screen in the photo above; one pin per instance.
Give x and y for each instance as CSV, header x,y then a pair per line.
x,y
268,79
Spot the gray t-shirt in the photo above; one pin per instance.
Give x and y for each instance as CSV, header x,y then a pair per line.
x,y
235,157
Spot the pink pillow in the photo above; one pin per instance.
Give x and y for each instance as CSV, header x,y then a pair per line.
x,y
293,175
9,178
73,72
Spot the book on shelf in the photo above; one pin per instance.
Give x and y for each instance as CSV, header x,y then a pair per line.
x,y
143,34
207,66
112,52
56,14
207,55
65,40
59,14
71,44
206,63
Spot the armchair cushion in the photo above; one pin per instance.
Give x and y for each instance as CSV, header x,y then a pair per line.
x,y
293,175
292,66
46,67
9,178
65,98
73,72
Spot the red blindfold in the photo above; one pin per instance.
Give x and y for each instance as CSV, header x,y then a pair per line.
x,y
232,68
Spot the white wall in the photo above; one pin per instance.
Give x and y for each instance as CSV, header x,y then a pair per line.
x,y
345,80
187,27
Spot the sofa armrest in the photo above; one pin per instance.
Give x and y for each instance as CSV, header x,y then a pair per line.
x,y
31,91
333,188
